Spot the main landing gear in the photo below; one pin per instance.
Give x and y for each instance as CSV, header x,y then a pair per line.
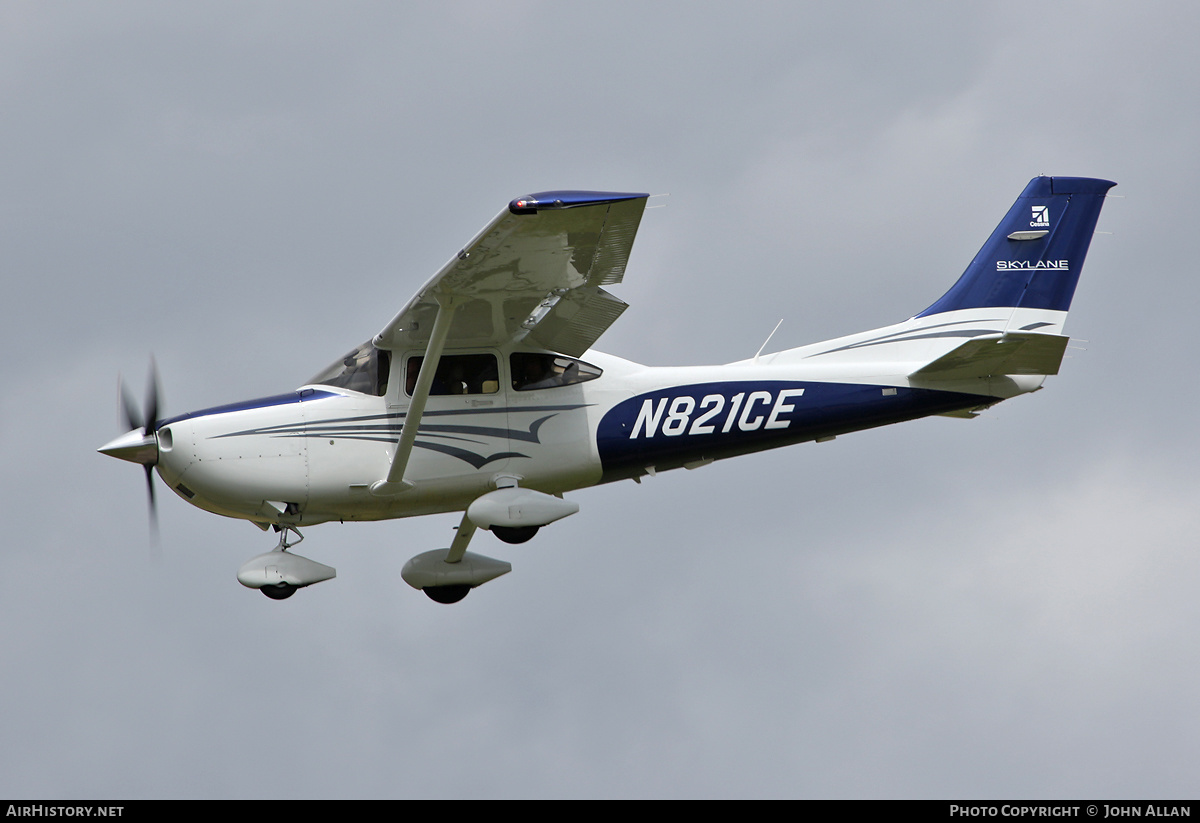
x,y
448,575
512,513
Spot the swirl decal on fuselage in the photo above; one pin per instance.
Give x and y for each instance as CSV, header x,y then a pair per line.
x,y
449,438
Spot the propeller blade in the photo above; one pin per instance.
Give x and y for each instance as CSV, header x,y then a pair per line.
x,y
152,398
131,413
150,498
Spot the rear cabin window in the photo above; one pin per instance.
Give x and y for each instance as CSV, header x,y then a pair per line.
x,y
532,371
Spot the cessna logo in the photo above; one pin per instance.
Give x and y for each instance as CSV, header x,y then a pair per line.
x,y
1032,265
748,411
1041,217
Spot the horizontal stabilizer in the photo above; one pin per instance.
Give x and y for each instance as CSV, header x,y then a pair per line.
x,y
998,354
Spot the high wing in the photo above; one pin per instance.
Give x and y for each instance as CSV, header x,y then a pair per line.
x,y
534,273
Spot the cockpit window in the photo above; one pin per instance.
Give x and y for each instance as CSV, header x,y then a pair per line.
x,y
363,369
543,371
457,374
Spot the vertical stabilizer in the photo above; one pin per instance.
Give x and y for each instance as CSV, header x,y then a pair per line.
x,y
1033,258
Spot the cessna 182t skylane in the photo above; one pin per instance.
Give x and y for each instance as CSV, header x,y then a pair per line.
x,y
483,394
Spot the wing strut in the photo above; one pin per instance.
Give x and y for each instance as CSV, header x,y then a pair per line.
x,y
395,482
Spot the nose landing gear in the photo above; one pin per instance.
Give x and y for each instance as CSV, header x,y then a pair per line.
x,y
278,573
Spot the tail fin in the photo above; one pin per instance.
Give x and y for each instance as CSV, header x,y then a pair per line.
x,y
1033,258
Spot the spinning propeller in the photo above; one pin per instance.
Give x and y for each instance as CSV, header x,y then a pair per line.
x,y
140,443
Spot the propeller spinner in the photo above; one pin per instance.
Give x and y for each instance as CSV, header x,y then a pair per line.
x,y
140,443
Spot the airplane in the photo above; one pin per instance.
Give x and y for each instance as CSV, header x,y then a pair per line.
x,y
483,395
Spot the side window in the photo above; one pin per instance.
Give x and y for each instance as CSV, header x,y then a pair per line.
x,y
364,369
532,371
457,374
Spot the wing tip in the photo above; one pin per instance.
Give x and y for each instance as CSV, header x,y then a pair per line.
x,y
568,199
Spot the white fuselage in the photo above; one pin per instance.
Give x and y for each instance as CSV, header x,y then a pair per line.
x,y
312,455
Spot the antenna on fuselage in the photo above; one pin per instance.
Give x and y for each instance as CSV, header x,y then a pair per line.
x,y
768,340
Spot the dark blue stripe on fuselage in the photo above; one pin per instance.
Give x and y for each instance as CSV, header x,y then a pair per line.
x,y
671,427
258,403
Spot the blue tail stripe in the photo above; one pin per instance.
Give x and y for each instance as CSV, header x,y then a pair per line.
x,y
1039,273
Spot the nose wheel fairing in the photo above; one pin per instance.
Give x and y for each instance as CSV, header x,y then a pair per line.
x,y
278,573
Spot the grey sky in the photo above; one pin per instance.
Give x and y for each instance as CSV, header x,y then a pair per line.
x,y
1001,607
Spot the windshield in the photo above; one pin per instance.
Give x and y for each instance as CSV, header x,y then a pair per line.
x,y
363,369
